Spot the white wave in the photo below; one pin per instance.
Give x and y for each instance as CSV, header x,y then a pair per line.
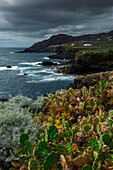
x,y
26,74
54,78
11,52
32,81
34,70
48,71
46,58
24,68
12,68
31,63
43,71
55,73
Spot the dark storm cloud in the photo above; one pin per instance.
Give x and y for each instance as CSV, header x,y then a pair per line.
x,y
37,19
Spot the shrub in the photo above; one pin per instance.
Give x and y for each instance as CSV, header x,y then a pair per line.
x,y
21,101
37,105
78,131
94,56
14,121
24,102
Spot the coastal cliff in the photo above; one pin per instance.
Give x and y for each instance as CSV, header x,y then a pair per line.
x,y
52,44
89,53
52,41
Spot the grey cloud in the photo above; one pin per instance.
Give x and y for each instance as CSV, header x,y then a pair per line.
x,y
42,18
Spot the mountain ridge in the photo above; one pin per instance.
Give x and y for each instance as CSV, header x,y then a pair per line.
x,y
59,39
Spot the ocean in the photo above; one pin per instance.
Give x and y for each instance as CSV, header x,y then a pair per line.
x,y
26,76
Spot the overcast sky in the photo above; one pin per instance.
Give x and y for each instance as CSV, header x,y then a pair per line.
x,y
24,22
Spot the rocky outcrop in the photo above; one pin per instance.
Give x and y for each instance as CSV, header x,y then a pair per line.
x,y
48,63
84,69
3,100
92,79
89,62
9,66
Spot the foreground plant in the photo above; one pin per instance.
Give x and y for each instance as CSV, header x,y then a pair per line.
x,y
42,155
76,131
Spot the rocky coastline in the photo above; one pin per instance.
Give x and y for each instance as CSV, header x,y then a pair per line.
x,y
87,54
91,66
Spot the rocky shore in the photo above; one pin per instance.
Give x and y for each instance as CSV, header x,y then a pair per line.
x,y
87,62
87,54
92,79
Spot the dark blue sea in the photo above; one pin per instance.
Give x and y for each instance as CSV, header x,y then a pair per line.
x,y
26,76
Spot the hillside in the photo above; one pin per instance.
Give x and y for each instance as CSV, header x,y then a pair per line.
x,y
65,39
54,40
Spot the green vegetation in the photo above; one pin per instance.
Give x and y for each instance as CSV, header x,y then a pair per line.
x,y
74,130
94,56
15,119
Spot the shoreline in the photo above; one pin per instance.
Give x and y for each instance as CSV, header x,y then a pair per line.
x,y
92,79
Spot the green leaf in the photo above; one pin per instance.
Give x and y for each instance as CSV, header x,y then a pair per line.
x,y
32,165
103,155
110,133
42,145
50,161
53,133
64,123
46,136
40,154
41,150
110,122
72,92
103,84
66,105
81,105
24,159
111,157
111,145
23,138
106,139
92,103
68,133
38,135
99,131
110,113
69,147
28,147
63,98
61,148
75,130
86,128
86,167
94,144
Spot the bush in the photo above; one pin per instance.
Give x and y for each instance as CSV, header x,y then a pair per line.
x,y
94,56
34,107
37,105
14,120
21,101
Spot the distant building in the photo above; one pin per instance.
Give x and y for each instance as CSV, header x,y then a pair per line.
x,y
72,44
87,45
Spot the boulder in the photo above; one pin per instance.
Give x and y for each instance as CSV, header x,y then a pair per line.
x,y
48,63
9,66
25,74
3,100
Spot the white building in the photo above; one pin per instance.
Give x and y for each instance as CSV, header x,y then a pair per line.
x,y
87,45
